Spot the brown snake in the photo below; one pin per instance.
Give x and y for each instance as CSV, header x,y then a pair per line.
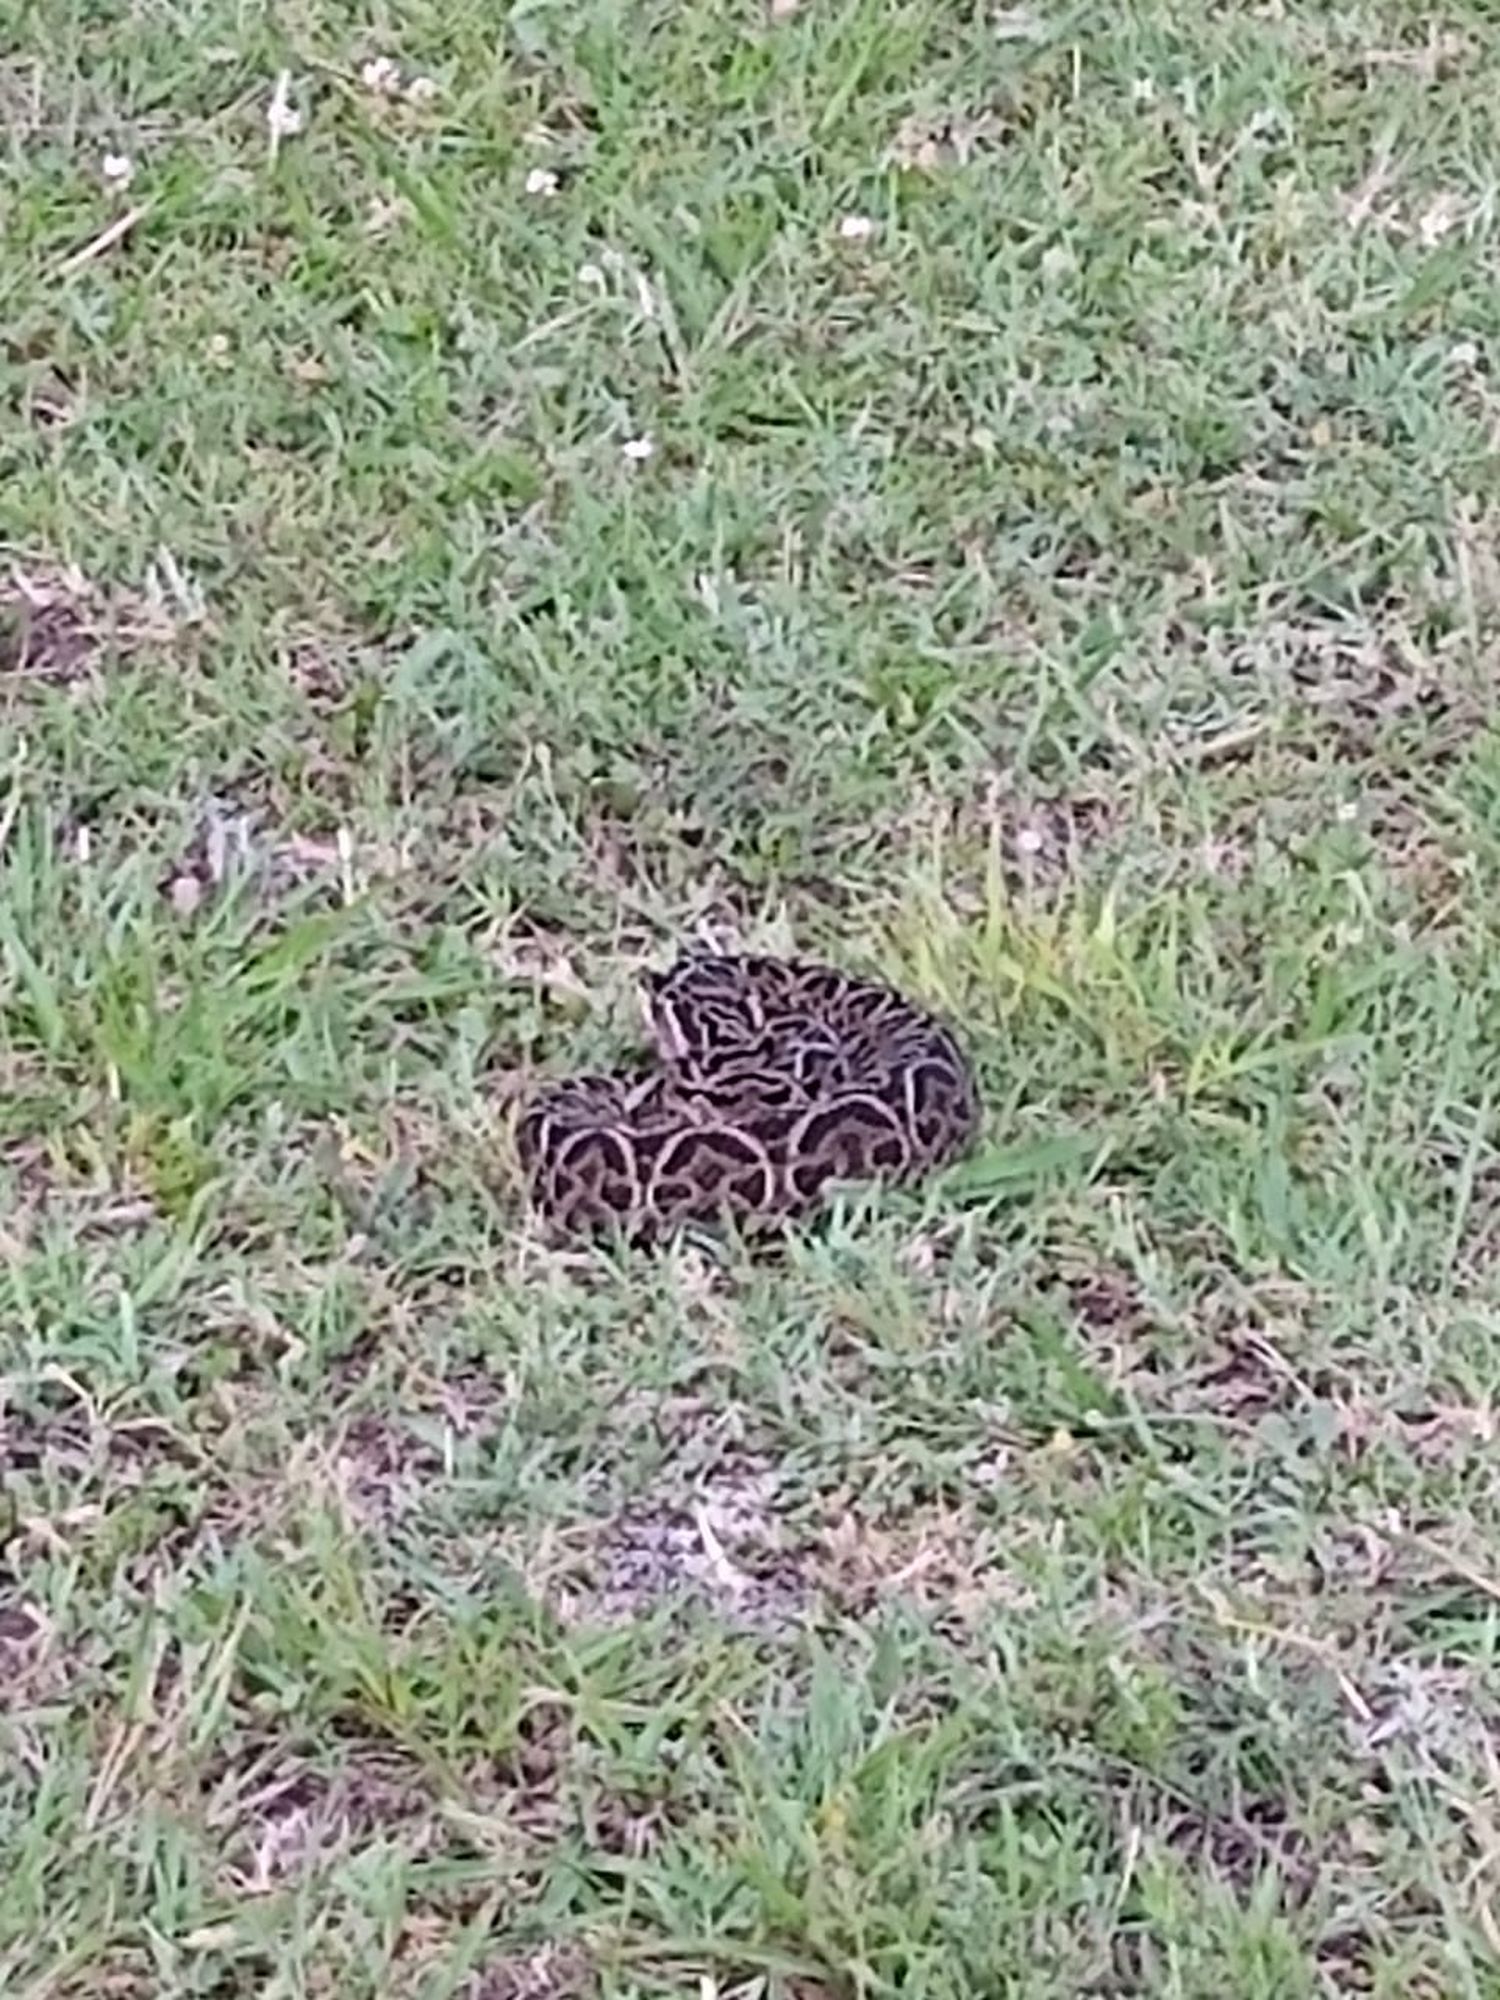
x,y
771,1080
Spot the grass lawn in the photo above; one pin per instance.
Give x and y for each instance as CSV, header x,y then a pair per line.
x,y
1005,499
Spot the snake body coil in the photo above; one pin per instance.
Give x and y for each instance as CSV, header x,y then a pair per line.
x,y
772,1079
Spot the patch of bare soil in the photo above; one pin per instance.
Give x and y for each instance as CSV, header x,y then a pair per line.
x,y
30,1667
1242,1847
280,1818
712,1530
946,139
38,1183
941,1560
1040,842
552,1972
1107,1300
394,1440
1237,1379
128,1975
43,636
1045,839
57,627
237,838
719,1542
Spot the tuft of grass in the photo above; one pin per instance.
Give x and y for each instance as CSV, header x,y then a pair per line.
x,y
1061,578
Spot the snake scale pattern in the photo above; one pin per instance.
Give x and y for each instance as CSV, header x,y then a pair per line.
x,y
770,1080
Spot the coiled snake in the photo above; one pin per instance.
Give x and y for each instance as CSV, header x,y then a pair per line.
x,y
771,1079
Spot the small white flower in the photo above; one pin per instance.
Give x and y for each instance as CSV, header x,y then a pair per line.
x,y
381,75
118,169
638,450
857,228
422,90
1143,90
1030,840
186,893
1439,219
283,119
590,274
541,181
